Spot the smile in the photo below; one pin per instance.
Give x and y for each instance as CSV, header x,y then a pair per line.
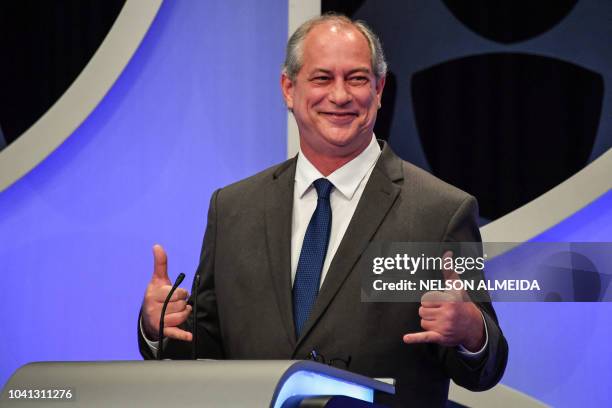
x,y
339,117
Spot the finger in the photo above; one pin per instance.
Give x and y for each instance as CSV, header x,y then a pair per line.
x,y
423,337
160,265
151,318
175,319
178,334
428,325
176,307
429,313
161,293
435,298
179,294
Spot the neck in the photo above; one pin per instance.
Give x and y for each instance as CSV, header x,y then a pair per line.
x,y
327,163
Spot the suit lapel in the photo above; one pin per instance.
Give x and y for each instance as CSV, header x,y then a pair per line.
x,y
377,199
278,213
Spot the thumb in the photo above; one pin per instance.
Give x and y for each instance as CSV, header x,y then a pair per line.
x,y
423,337
451,275
160,265
447,270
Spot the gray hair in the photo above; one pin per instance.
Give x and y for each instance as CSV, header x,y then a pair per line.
x,y
293,56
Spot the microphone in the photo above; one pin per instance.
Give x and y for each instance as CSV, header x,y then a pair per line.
x,y
160,350
194,328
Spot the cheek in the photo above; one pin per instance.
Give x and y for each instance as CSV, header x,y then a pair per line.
x,y
315,100
370,111
367,100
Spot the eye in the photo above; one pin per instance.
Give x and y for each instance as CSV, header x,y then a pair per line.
x,y
358,80
321,79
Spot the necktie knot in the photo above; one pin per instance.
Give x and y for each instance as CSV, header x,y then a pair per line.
x,y
323,187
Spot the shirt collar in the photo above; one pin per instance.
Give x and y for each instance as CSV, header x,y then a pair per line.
x,y
346,179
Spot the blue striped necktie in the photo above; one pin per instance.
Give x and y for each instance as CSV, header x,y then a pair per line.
x,y
314,249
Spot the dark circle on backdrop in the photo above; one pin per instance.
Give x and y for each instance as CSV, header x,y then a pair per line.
x,y
506,127
509,21
45,46
574,277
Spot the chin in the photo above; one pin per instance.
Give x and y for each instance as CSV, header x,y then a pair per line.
x,y
340,137
340,141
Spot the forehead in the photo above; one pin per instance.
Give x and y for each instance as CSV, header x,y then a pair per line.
x,y
332,45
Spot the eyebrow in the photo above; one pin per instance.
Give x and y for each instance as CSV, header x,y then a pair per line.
x,y
352,71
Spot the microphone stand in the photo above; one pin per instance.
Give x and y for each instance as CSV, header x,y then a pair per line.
x,y
194,328
160,350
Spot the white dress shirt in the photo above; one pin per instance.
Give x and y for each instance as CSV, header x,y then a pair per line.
x,y
349,182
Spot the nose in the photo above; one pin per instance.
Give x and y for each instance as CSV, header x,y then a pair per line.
x,y
339,94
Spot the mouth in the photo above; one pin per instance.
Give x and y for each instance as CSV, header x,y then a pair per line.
x,y
339,117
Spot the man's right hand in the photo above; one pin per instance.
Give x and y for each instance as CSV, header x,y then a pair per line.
x,y
177,310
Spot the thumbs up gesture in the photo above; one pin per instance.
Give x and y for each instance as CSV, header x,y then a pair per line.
x,y
157,290
449,318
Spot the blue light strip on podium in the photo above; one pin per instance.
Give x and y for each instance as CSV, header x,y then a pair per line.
x,y
308,378
310,383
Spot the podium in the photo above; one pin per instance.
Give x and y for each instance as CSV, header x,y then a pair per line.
x,y
201,383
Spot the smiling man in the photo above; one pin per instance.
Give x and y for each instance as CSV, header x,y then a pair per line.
x,y
334,94
281,248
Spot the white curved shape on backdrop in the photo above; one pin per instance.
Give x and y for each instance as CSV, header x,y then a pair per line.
x,y
554,206
299,12
83,95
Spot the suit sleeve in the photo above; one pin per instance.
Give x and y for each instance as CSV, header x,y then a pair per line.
x,y
209,336
485,372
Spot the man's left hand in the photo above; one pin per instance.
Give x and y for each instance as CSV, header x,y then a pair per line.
x,y
449,318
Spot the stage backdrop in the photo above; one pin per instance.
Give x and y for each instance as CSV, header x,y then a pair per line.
x,y
199,107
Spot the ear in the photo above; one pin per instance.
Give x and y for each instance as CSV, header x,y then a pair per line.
x,y
380,84
287,89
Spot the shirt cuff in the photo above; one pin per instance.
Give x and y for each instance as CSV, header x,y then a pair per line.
x,y
470,355
153,345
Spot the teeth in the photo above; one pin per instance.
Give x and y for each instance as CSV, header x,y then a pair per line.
x,y
339,115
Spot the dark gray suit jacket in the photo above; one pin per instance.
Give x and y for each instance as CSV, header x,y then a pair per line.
x,y
245,304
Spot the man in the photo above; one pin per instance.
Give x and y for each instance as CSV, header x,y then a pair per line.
x,y
281,247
